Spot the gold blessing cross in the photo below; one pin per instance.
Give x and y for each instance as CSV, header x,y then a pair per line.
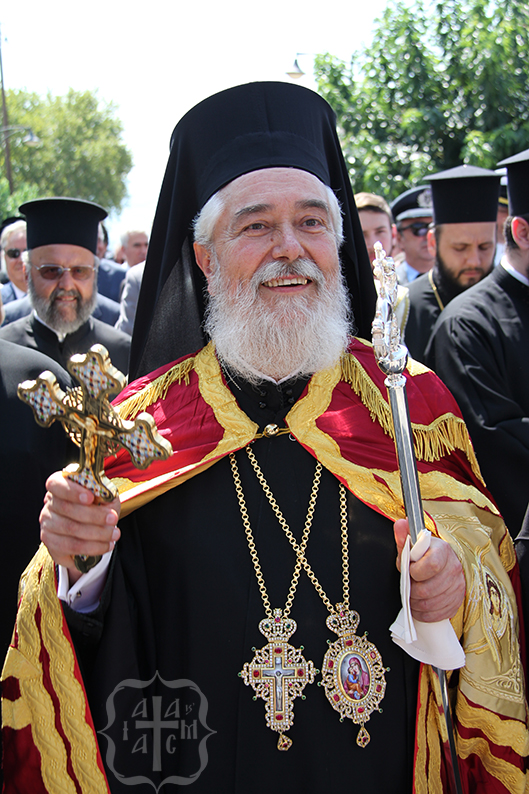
x,y
93,424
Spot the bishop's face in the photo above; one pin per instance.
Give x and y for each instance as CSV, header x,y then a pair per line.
x,y
278,306
274,215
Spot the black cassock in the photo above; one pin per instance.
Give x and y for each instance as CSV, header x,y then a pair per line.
x,y
424,311
426,305
182,604
480,349
29,332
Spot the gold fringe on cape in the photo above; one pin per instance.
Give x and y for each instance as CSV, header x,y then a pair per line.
x,y
431,442
157,390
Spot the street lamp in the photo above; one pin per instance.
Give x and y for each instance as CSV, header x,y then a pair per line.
x,y
296,72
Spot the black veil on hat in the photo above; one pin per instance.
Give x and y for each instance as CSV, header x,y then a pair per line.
x,y
242,129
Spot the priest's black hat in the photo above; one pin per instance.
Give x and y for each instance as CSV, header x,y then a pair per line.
x,y
56,220
9,221
242,129
518,182
465,194
414,203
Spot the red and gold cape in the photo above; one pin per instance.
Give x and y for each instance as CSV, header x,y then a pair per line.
x,y
343,419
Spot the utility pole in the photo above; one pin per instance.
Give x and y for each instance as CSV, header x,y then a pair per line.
x,y
5,124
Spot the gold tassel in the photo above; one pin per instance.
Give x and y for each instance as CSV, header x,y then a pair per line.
x,y
157,390
431,442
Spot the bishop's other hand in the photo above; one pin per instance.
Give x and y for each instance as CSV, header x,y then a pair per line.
x,y
437,579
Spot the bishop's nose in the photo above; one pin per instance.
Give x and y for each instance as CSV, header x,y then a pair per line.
x,y
286,244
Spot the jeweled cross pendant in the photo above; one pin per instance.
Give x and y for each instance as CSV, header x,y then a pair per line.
x,y
278,673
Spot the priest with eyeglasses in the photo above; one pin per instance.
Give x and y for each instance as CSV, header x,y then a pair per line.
x,y
61,267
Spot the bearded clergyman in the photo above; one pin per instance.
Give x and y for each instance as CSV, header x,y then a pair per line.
x,y
61,267
462,239
234,636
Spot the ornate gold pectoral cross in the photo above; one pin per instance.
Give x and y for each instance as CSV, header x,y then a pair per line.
x,y
278,673
93,424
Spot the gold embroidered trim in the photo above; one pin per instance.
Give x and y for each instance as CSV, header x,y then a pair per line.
x,y
507,552
416,368
512,778
38,585
420,779
15,714
157,390
507,733
431,442
435,785
365,483
373,486
239,430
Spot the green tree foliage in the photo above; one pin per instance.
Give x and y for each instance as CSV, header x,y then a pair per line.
x,y
440,85
80,154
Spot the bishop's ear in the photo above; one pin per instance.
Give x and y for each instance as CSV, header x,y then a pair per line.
x,y
203,258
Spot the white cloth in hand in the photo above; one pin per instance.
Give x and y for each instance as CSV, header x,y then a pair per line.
x,y
430,643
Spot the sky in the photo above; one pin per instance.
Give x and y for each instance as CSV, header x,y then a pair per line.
x,y
155,60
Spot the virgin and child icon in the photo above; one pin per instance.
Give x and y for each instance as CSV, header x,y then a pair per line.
x,y
355,677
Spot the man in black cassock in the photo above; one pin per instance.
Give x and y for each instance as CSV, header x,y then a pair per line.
x,y
164,624
62,283
463,241
479,349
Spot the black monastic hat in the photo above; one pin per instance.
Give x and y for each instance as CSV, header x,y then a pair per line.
x,y
242,129
9,221
414,203
60,220
465,194
518,182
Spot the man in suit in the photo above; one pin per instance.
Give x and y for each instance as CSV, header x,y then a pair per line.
x,y
13,245
110,275
129,298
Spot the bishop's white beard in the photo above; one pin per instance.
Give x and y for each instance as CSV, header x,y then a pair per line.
x,y
293,335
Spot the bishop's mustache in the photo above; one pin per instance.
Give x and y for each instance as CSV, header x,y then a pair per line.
x,y
304,268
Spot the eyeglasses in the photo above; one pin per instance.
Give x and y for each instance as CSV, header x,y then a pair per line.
x,y
417,229
54,272
13,253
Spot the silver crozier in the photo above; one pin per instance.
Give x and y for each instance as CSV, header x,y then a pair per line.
x,y
391,356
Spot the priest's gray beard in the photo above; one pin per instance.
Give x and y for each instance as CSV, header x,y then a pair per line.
x,y
49,311
293,335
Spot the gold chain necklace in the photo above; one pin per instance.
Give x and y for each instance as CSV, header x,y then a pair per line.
x,y
435,290
352,670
